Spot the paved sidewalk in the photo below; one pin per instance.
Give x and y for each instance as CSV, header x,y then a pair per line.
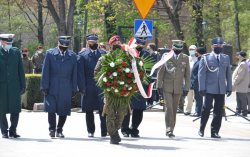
x,y
35,141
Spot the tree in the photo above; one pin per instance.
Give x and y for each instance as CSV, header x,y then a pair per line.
x,y
198,18
33,14
65,24
173,14
237,25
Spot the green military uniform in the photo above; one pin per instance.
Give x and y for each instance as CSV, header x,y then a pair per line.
x,y
174,79
27,65
12,80
37,60
115,113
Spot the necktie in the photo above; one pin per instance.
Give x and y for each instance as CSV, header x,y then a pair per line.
x,y
218,59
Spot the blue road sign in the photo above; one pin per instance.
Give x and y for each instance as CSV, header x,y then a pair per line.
x,y
143,28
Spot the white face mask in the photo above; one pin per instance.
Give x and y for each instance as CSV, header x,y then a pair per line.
x,y
40,51
192,53
8,47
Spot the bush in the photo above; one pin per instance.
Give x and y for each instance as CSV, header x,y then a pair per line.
x,y
34,95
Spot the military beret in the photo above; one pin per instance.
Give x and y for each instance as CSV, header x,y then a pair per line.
x,y
217,41
242,53
140,41
7,37
92,37
113,39
64,40
177,44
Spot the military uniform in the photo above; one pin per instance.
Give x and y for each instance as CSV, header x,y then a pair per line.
x,y
114,112
37,60
91,94
170,78
173,80
215,80
12,85
59,84
27,65
138,105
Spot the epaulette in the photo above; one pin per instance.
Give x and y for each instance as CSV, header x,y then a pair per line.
x,y
50,50
224,54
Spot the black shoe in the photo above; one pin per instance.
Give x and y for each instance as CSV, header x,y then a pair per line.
x,y
215,135
135,135
59,135
179,111
113,141
5,135
90,134
187,113
201,133
170,134
103,134
195,115
13,135
125,134
52,133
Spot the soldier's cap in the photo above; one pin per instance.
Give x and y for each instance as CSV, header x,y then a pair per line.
x,y
217,41
64,41
113,39
177,44
201,50
140,41
7,37
92,37
25,51
242,53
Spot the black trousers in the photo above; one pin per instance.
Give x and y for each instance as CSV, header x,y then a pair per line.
x,y
52,122
14,117
198,100
90,121
137,116
241,102
219,100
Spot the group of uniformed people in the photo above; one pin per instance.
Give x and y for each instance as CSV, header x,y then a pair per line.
x,y
64,73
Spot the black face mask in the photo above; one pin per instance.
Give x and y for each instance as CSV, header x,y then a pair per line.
x,y
63,48
24,55
94,46
116,47
177,52
139,48
217,50
196,55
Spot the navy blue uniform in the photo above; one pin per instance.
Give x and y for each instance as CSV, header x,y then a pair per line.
x,y
92,100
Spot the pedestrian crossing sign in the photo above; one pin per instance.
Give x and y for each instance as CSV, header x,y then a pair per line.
x,y
143,28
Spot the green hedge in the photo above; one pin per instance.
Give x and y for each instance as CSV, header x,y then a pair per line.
x,y
34,95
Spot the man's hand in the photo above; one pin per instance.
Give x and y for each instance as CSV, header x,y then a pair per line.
x,y
73,94
160,92
45,92
82,93
185,93
228,93
202,92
